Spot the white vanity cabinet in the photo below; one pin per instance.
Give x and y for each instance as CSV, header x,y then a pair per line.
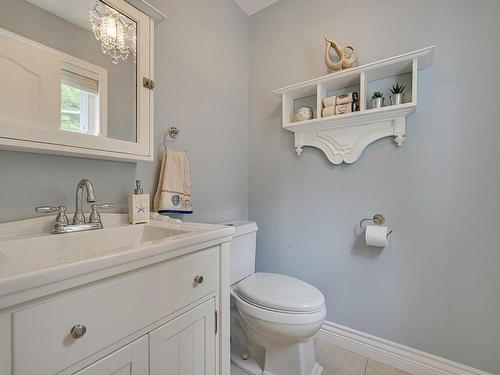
x,y
111,311
165,312
183,346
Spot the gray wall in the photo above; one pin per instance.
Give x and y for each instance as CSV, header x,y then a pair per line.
x,y
201,68
437,287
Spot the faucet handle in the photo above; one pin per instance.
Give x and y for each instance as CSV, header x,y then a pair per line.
x,y
46,209
61,218
94,216
103,206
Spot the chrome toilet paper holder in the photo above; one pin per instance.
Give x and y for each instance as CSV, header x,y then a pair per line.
x,y
378,219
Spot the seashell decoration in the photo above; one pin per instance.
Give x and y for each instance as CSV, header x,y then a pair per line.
x,y
304,113
346,54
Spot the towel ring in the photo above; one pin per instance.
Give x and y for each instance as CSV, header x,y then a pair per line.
x,y
173,133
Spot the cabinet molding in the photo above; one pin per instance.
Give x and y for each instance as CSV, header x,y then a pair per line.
x,y
185,345
129,360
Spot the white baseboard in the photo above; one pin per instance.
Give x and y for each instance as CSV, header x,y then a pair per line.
x,y
395,355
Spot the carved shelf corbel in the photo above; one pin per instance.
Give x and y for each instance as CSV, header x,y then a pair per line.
x,y
344,143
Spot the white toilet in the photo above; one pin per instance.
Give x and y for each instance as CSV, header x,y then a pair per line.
x,y
273,313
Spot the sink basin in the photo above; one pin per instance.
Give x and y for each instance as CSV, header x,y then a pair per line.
x,y
29,254
34,262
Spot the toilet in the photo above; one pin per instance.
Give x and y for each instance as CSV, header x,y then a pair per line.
x,y
273,317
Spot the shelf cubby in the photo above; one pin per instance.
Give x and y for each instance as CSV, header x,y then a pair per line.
x,y
344,137
385,84
308,101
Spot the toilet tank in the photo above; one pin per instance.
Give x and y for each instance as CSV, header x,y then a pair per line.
x,y
242,253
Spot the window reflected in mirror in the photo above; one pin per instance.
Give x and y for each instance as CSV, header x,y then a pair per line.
x,y
79,111
79,103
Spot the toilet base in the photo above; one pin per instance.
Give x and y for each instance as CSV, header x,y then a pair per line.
x,y
251,367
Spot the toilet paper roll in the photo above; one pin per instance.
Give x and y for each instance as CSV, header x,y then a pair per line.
x,y
376,235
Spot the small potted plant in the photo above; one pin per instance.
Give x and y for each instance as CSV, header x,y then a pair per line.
x,y
397,94
377,99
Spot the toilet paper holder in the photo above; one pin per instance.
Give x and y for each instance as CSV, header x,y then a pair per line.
x,y
378,219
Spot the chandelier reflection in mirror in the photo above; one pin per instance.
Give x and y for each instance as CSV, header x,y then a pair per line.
x,y
116,32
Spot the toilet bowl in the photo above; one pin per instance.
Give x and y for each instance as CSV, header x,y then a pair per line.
x,y
280,314
283,326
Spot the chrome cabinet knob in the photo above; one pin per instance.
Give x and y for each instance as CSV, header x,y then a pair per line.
x,y
78,331
198,279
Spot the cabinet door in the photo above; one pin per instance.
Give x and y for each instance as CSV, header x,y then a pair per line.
x,y
186,345
129,360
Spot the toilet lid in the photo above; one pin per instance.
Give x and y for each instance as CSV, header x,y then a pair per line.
x,y
280,292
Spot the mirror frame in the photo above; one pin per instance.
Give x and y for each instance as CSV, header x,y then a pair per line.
x,y
50,141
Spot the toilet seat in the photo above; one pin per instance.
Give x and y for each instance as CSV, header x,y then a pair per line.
x,y
280,293
277,316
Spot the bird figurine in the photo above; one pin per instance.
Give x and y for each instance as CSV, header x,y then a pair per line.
x,y
346,54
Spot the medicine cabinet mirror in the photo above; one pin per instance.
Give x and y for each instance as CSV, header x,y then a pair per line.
x,y
72,78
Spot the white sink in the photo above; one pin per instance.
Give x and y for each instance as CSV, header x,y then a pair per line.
x,y
26,254
31,257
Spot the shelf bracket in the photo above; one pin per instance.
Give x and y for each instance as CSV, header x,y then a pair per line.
x,y
345,144
399,130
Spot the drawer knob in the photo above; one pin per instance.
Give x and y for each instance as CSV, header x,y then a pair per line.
x,y
78,331
198,279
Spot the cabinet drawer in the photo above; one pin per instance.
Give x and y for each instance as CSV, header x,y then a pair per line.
x,y
43,343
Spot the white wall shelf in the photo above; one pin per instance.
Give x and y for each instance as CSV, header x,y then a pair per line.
x,y
344,137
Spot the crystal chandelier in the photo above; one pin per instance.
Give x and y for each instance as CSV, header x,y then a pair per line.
x,y
116,32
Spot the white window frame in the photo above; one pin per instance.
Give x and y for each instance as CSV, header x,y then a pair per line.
x,y
100,75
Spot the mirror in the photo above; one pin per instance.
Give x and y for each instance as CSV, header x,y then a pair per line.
x,y
70,67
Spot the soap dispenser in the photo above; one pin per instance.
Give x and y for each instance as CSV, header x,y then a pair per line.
x,y
138,205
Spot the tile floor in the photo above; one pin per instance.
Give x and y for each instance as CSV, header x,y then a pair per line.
x,y
338,361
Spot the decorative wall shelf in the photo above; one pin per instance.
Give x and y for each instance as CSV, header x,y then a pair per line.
x,y
344,137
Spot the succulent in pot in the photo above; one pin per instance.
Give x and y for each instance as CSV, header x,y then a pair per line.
x,y
377,99
397,94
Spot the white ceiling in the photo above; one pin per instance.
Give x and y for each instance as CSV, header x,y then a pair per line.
x,y
253,6
74,11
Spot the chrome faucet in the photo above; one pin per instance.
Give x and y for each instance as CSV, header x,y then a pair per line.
x,y
62,223
79,217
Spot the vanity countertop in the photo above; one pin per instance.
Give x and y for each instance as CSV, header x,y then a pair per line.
x,y
35,263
